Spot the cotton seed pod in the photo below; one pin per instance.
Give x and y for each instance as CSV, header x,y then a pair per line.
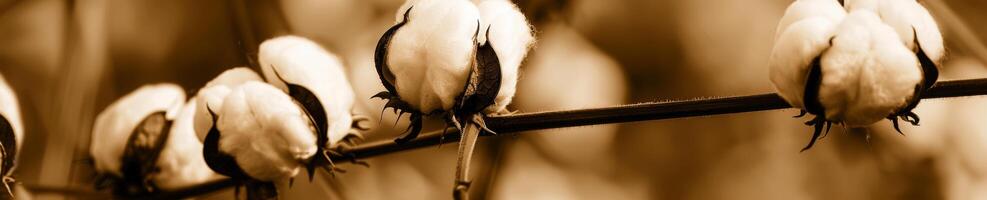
x,y
511,37
267,133
213,93
305,66
429,57
11,134
129,135
854,74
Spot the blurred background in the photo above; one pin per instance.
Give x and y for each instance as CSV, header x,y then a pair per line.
x,y
67,60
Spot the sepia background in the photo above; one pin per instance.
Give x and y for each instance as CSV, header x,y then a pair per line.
x,y
67,60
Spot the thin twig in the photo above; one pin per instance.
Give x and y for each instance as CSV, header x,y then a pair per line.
x,y
513,124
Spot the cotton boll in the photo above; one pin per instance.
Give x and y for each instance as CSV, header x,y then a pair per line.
x,y
300,61
214,91
268,134
181,163
114,125
511,37
430,56
868,74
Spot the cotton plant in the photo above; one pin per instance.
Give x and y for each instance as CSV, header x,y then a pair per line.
x,y
144,142
855,62
453,59
315,79
11,135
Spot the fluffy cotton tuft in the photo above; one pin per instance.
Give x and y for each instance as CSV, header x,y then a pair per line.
x,y
431,55
115,124
804,33
181,163
909,18
868,74
511,38
303,62
213,94
266,131
828,10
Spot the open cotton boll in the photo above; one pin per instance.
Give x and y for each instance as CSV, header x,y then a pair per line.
x,y
181,163
431,55
794,50
511,37
303,62
212,94
868,74
909,18
114,125
268,134
830,10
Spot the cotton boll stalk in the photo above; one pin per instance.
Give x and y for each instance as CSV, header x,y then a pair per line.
x,y
265,131
511,37
127,136
181,163
11,134
213,93
293,60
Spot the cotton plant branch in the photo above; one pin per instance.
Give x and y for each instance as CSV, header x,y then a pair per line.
x,y
515,124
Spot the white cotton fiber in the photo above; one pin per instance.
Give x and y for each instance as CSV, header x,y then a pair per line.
x,y
181,163
303,62
114,125
511,38
903,16
828,10
214,91
804,34
430,56
868,74
267,133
